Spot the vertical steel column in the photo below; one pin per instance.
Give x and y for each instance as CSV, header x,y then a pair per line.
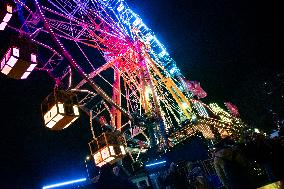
x,y
116,97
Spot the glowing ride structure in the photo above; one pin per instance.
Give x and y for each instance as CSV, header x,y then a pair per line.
x,y
119,71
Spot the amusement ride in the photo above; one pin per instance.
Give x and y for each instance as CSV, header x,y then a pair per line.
x,y
107,63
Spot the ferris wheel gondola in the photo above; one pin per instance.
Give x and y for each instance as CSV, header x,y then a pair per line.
x,y
60,109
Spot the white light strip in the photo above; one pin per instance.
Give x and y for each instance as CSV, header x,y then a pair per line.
x,y
31,68
157,163
7,17
3,26
51,124
34,58
61,108
12,61
74,119
111,151
122,150
16,51
57,118
109,159
50,114
65,183
25,75
76,110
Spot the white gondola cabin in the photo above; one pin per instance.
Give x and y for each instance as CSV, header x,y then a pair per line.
x,y
20,59
6,12
60,110
109,147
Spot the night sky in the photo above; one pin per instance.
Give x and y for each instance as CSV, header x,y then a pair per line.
x,y
228,45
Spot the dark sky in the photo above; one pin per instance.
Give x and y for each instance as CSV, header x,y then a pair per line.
x,y
227,45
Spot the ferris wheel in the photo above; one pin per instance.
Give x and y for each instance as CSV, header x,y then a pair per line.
x,y
104,60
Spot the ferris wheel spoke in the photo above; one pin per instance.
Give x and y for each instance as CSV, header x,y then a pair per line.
x,y
74,63
95,22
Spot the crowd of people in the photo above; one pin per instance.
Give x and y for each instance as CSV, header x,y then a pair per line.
x,y
184,176
251,163
111,177
235,165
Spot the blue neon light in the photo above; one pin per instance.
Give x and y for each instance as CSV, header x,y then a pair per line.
x,y
157,163
64,183
130,20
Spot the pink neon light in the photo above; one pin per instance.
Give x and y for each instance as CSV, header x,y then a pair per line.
x,y
12,61
16,51
26,74
232,108
33,58
8,54
3,26
7,17
31,68
2,63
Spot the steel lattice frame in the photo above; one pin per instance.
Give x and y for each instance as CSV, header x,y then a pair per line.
x,y
137,74
91,24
